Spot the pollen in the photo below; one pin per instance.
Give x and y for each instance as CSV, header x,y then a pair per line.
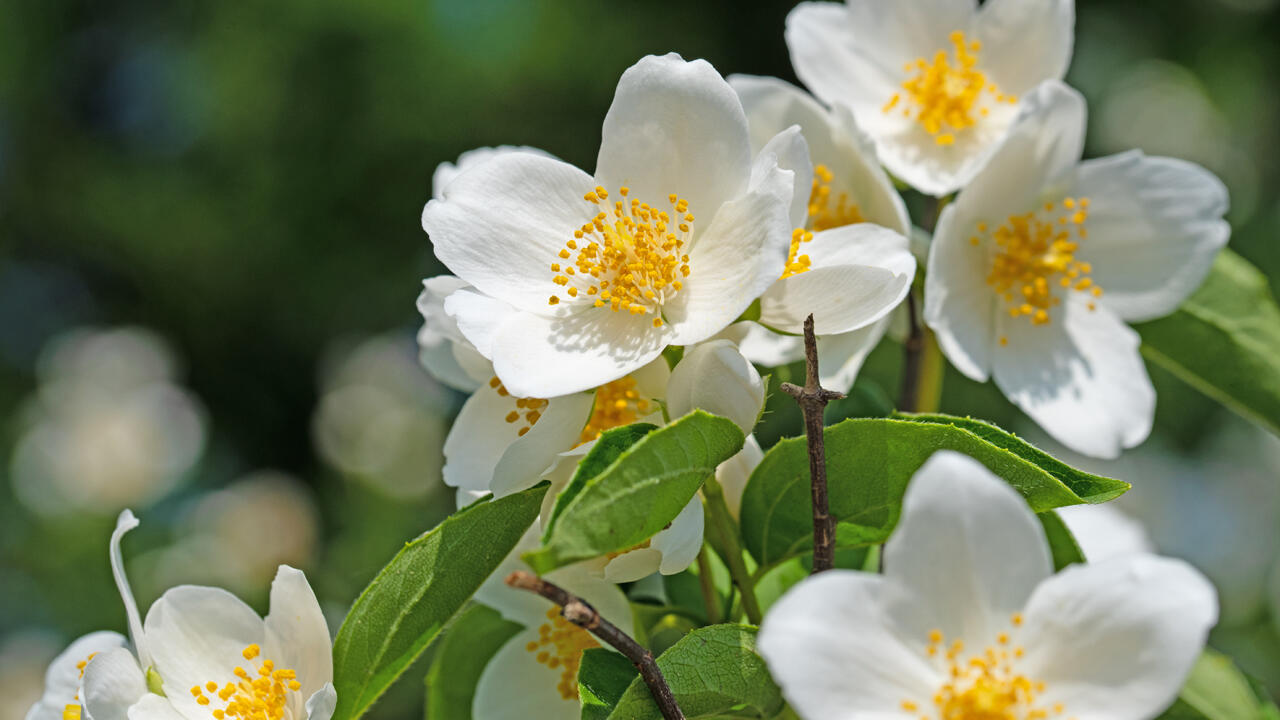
x,y
827,212
523,416
948,96
983,685
264,697
629,256
1034,260
617,403
559,646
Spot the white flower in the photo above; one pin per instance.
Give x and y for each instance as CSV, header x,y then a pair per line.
x,y
841,267
201,647
535,674
442,349
580,280
1104,531
936,83
1038,264
109,426
504,444
968,620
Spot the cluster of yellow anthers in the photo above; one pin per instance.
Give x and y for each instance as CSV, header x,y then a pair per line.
x,y
823,215
946,95
631,257
72,711
1037,251
617,403
251,698
528,409
797,263
984,685
560,645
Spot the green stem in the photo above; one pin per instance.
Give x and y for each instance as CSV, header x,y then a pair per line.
x,y
932,369
724,538
708,584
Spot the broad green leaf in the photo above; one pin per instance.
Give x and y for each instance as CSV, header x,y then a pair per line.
x,y
712,671
1062,544
1225,341
468,644
870,461
1217,690
639,493
608,448
603,677
423,586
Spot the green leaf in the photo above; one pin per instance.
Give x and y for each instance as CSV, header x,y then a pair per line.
x,y
1217,690
1225,341
639,493
423,586
468,644
870,461
608,448
1062,544
712,671
603,677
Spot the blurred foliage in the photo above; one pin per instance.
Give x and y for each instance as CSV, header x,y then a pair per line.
x,y
245,178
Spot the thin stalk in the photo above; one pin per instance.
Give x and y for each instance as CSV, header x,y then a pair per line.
x,y
707,582
724,534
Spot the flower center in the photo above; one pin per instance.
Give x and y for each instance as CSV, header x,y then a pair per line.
x,y
945,96
983,685
527,411
72,711
630,256
1035,254
560,645
258,695
823,215
617,403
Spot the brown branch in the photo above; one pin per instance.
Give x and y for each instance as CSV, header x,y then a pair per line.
x,y
577,611
813,400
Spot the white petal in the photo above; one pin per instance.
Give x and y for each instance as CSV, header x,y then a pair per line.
x,y
484,452
297,636
1155,226
197,634
447,171
715,377
528,458
958,304
1104,532
1080,377
837,653
112,683
968,546
62,679
155,707
792,153
680,542
502,222
834,140
1116,639
124,524
478,317
537,356
321,705
763,346
442,348
1025,43
858,274
514,686
675,127
736,258
733,474
632,565
840,356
